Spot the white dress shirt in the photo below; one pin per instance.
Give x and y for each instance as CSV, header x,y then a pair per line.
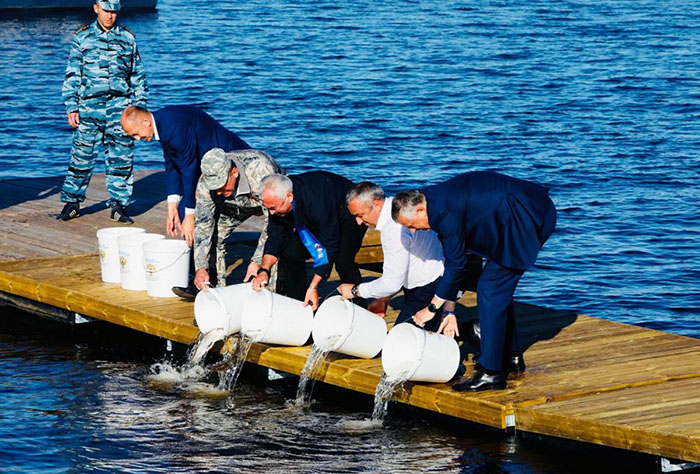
x,y
410,260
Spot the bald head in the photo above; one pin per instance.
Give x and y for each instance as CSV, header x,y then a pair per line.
x,y
137,122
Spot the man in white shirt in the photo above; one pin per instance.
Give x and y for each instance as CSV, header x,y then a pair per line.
x,y
412,261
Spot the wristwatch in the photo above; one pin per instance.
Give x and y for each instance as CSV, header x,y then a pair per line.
x,y
264,270
432,308
354,290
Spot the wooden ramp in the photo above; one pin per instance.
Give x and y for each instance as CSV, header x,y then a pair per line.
x,y
588,379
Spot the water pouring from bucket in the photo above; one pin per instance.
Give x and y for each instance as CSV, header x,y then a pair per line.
x,y
342,326
221,308
411,353
419,355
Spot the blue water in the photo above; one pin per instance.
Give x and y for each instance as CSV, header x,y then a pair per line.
x,y
599,100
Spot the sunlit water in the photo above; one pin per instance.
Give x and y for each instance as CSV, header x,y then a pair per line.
x,y
597,100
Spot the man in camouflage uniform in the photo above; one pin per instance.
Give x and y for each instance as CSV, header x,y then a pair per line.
x,y
227,195
103,77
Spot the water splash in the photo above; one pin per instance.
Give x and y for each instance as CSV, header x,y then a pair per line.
x,y
228,380
385,389
200,348
167,374
311,372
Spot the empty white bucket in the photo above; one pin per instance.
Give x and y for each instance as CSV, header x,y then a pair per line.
x,y
109,251
342,326
167,264
414,354
221,308
133,275
276,319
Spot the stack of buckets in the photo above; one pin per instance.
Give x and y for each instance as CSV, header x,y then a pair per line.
x,y
142,261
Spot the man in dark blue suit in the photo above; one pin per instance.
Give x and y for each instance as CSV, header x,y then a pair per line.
x,y
502,219
186,133
309,217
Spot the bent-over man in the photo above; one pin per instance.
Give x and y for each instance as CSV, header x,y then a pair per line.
x,y
413,262
502,219
228,193
308,217
186,133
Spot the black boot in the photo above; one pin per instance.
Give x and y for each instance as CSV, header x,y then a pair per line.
x,y
119,214
481,381
188,292
70,211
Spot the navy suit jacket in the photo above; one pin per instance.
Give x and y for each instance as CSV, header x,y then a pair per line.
x,y
505,220
186,133
319,205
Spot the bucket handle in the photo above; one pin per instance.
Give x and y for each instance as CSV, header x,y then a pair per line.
x,y
143,262
349,320
420,343
260,333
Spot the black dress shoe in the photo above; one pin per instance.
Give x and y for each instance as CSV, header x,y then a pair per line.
x,y
481,381
189,292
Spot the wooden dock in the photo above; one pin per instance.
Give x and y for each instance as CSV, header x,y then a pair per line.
x,y
588,379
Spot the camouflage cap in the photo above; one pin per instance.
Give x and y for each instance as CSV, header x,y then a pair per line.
x,y
215,167
110,5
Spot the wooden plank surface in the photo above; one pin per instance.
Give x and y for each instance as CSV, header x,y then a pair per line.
x,y
588,379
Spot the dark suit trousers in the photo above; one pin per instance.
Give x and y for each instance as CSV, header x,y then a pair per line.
x,y
494,299
416,299
292,262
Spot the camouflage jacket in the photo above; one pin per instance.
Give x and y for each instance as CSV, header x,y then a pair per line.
x,y
103,64
253,166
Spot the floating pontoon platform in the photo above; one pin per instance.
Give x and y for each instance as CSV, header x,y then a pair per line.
x,y
588,379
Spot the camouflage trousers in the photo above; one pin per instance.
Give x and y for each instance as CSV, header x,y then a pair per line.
x,y
100,127
225,225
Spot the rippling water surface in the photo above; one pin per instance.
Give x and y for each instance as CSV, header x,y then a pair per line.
x,y
598,100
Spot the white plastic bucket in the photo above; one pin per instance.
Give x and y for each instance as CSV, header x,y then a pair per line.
x,y
342,326
109,251
276,319
167,264
133,275
414,354
221,308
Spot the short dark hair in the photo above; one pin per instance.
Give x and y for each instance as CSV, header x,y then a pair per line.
x,y
365,191
406,201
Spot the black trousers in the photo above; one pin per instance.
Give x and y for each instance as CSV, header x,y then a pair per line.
x,y
292,261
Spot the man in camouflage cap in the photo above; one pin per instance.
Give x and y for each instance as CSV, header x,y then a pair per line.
x,y
103,77
228,193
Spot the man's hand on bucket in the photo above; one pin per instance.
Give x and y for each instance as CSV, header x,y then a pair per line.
x,y
201,279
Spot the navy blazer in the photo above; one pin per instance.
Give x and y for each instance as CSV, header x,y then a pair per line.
x,y
505,220
186,133
319,205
